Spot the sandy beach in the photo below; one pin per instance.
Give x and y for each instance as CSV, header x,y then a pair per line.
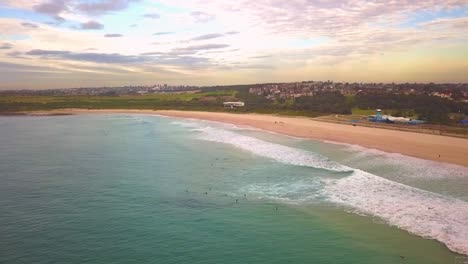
x,y
425,146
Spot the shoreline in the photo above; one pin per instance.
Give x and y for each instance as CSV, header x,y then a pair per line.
x,y
425,146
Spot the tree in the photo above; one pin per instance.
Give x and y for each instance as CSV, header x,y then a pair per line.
x,y
328,102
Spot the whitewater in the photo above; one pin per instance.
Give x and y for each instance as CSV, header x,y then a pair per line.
x,y
420,212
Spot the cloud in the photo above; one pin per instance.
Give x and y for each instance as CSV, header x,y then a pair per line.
x,y
152,15
22,4
103,6
5,46
150,58
91,25
113,35
29,25
64,75
52,8
59,8
208,36
14,67
255,66
176,59
303,35
15,54
59,19
213,35
110,58
324,18
202,17
156,53
197,48
162,33
446,23
261,57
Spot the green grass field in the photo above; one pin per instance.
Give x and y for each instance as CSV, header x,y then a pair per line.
x,y
198,101
358,111
152,101
195,101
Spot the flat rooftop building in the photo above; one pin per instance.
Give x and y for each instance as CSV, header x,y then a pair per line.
x,y
233,104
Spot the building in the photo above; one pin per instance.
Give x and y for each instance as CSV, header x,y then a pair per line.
x,y
378,117
233,104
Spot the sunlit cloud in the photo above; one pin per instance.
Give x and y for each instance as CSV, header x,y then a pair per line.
x,y
4,46
102,6
202,17
221,42
152,15
91,25
113,35
208,36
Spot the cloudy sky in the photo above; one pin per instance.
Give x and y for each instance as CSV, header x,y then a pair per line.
x,y
82,43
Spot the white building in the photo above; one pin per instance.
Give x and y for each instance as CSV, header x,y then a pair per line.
x,y
233,104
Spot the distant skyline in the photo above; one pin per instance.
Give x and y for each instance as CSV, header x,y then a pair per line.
x,y
76,43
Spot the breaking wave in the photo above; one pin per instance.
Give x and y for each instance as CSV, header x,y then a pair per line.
x,y
414,167
298,192
137,119
274,151
417,211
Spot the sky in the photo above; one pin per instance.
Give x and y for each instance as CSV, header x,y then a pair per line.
x,y
92,43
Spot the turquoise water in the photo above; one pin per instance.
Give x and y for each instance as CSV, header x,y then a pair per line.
x,y
148,189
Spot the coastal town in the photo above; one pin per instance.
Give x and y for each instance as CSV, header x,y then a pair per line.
x,y
275,91
311,88
108,91
404,103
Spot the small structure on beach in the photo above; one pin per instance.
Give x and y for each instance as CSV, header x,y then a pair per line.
x,y
378,117
233,104
378,114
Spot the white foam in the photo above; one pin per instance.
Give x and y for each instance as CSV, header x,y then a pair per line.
x,y
198,123
140,118
420,212
407,165
186,124
298,192
274,151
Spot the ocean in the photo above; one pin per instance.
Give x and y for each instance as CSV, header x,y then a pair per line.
x,y
128,188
